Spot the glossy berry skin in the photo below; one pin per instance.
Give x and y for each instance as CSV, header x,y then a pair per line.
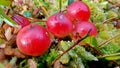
x,y
81,29
33,40
78,10
59,25
20,20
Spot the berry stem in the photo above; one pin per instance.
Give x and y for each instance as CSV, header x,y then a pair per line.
x,y
71,47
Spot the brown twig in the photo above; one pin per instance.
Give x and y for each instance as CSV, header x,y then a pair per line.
x,y
98,52
44,9
108,20
107,41
115,62
114,4
36,20
109,55
71,47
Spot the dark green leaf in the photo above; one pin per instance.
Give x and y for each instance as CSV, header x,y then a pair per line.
x,y
110,48
84,54
51,56
23,64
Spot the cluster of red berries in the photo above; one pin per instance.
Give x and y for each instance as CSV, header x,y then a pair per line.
x,y
34,39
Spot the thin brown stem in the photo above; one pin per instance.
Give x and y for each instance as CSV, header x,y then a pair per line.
x,y
108,20
115,62
114,4
43,9
107,41
71,47
36,20
109,55
98,52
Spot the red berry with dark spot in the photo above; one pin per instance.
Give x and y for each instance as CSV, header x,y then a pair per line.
x,y
59,25
78,10
33,40
81,29
21,20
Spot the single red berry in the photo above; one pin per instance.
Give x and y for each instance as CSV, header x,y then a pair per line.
x,y
78,10
33,40
59,25
21,20
81,29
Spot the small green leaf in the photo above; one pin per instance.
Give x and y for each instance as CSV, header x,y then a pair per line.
x,y
65,59
104,35
43,3
41,23
84,54
87,40
76,63
79,63
23,63
51,56
110,48
2,66
5,2
94,42
2,41
13,61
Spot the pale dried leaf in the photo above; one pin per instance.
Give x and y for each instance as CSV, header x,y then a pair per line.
x,y
8,50
8,33
58,65
2,45
18,54
32,63
8,66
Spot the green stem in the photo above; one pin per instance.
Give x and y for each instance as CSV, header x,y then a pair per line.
x,y
7,19
60,5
